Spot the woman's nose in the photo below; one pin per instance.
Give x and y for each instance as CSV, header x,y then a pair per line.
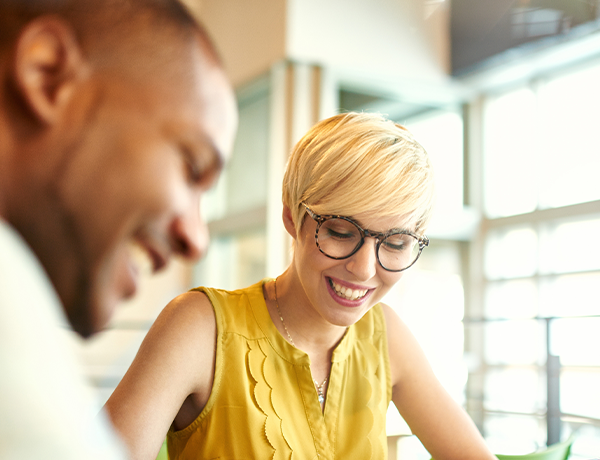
x,y
363,263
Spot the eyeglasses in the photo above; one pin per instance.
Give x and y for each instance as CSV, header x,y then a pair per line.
x,y
340,237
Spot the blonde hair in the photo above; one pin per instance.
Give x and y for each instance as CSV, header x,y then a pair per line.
x,y
354,163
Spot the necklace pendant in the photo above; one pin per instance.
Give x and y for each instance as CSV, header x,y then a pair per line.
x,y
321,399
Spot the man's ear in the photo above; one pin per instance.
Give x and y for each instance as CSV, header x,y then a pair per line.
x,y
288,221
47,64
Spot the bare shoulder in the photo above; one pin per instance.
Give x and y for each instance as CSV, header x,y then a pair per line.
x,y
397,330
406,355
389,314
189,312
187,324
193,305
174,362
185,331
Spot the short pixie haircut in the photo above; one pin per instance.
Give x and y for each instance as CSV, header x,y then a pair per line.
x,y
355,163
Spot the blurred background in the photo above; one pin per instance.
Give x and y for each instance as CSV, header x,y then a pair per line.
x,y
504,95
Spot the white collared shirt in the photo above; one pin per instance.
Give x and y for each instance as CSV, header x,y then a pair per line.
x,y
46,409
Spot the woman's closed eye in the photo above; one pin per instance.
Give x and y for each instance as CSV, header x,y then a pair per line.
x,y
397,243
340,235
394,247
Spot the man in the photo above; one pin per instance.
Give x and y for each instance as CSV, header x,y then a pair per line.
x,y
115,117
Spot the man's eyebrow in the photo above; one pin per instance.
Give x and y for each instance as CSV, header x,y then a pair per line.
x,y
204,153
215,165
197,147
217,154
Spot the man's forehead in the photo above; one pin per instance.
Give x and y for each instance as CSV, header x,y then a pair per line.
x,y
204,119
218,113
194,94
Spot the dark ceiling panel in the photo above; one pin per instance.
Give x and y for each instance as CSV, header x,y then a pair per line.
x,y
481,29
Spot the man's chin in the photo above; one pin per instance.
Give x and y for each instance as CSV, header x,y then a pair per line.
x,y
99,291
88,317
82,323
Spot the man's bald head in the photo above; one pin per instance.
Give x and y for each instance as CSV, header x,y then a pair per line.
x,y
115,118
112,29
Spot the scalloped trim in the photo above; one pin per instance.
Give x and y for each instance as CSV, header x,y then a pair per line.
x,y
265,398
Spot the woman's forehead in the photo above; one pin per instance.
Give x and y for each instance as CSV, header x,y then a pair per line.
x,y
377,222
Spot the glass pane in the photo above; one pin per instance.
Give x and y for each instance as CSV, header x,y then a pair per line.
x,y
542,152
515,390
441,135
570,246
510,253
394,423
514,434
579,392
587,440
247,170
570,295
515,342
511,299
233,261
569,133
510,182
243,184
575,340
409,447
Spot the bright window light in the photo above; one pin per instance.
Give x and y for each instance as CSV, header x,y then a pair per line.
x,y
515,299
571,246
510,158
570,151
518,342
511,253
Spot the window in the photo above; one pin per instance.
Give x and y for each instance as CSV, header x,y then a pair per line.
x,y
235,208
537,370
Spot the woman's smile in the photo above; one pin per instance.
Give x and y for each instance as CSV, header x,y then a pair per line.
x,y
345,292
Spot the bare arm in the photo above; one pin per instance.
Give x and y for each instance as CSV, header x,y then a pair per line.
x,y
439,422
170,378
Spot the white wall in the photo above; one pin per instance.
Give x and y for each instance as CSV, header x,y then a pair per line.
x,y
249,34
406,39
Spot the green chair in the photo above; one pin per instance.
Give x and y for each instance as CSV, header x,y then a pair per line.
x,y
162,453
558,451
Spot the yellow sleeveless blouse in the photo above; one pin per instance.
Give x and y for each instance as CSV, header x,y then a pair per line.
x,y
263,403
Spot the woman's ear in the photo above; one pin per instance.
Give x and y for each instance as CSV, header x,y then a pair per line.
x,y
47,65
288,221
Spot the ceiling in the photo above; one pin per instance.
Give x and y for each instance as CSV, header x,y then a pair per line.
x,y
482,29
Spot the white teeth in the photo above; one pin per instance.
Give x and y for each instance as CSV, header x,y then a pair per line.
x,y
347,293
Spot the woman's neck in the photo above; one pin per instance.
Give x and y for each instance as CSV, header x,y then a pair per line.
x,y
296,319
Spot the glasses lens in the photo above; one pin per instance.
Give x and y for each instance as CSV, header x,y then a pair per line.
x,y
338,237
398,251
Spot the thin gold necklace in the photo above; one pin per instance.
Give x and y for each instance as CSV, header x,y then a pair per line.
x,y
281,317
320,393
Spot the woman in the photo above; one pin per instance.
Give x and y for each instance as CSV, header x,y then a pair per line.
x,y
306,364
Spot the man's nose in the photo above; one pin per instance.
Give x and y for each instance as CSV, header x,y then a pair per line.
x,y
189,234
